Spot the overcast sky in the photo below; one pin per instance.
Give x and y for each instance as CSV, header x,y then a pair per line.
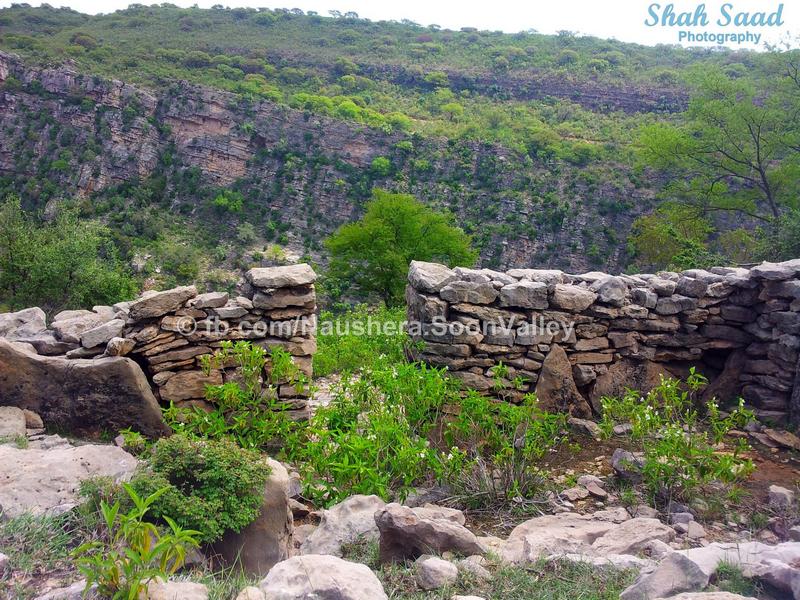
x,y
620,19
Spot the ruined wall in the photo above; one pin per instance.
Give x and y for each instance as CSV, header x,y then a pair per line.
x,y
168,333
576,338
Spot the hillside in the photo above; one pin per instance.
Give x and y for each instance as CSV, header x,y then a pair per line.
x,y
215,138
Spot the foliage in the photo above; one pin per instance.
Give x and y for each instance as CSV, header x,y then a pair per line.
x,y
245,410
67,263
679,444
374,253
208,486
780,240
352,340
132,551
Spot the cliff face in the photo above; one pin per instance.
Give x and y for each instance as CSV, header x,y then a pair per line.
x,y
68,134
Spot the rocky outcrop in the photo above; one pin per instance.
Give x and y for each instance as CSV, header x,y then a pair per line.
x,y
614,332
46,480
352,520
85,385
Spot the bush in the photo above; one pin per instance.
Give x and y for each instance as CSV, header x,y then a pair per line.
x,y
208,486
245,411
678,444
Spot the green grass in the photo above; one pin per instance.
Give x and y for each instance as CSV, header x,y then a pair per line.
x,y
558,580
350,352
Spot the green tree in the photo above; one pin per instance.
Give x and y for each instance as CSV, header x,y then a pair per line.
x,y
373,254
734,152
69,263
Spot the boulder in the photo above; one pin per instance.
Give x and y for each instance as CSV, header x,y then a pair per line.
x,y
176,590
344,523
318,577
46,481
708,596
102,333
565,533
250,593
267,540
71,330
22,324
433,573
676,573
405,535
776,271
572,298
80,396
432,511
160,303
632,536
281,277
556,388
429,277
5,565
46,344
12,423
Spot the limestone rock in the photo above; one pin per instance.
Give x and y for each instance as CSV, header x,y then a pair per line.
x,y
317,577
22,324
267,540
469,292
282,277
405,535
627,465
344,523
611,290
270,299
118,346
572,298
524,294
563,533
631,536
102,333
186,385
708,596
433,573
160,303
429,277
75,591
556,388
676,573
71,330
46,481
250,593
176,590
210,300
12,423
780,497
80,396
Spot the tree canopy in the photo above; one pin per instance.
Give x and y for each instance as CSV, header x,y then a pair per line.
x,y
67,263
372,255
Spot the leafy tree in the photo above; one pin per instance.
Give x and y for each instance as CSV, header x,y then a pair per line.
x,y
373,254
734,153
69,263
453,110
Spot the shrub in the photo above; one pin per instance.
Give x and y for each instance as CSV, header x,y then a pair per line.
x,y
132,551
677,442
209,486
246,411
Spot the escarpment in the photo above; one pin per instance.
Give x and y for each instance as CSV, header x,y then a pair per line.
x,y
69,134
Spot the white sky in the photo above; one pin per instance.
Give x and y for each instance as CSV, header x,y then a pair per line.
x,y
620,19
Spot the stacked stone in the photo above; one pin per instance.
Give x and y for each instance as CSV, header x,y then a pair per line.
x,y
168,333
740,324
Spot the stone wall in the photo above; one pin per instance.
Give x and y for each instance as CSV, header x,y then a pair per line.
x,y
575,338
168,333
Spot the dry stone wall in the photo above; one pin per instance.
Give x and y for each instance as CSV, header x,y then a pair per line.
x,y
169,332
575,338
